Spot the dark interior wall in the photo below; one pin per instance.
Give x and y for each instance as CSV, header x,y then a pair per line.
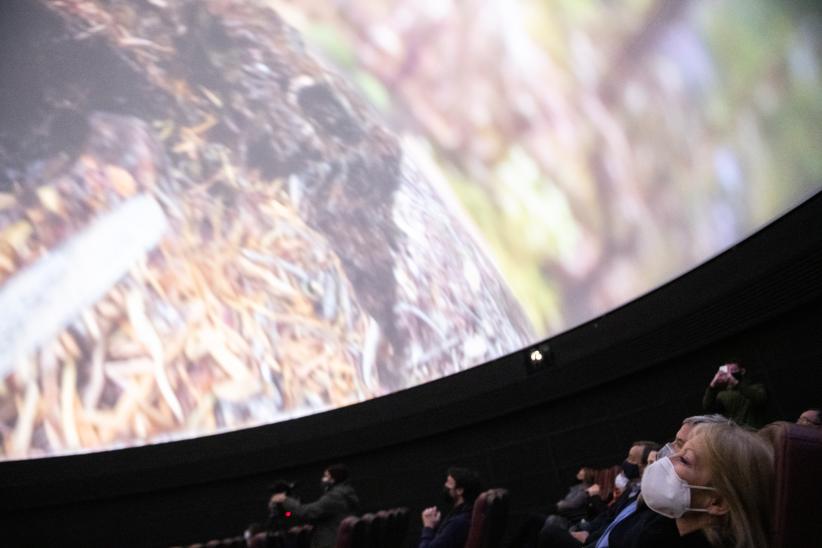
x,y
632,374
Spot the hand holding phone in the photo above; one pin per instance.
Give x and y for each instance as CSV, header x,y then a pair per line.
x,y
721,377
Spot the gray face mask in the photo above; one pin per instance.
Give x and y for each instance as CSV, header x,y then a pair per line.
x,y
665,492
666,451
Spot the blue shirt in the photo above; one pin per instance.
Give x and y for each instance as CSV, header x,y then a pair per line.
x,y
627,511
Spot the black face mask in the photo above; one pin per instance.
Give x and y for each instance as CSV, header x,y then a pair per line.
x,y
327,484
630,470
446,496
738,375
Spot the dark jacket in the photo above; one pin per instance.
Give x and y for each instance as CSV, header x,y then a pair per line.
x,y
743,403
575,503
452,531
597,526
326,513
647,529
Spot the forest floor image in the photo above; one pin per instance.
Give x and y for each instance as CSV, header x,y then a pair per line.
x,y
203,229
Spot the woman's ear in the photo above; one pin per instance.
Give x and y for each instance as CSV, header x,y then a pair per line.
x,y
717,506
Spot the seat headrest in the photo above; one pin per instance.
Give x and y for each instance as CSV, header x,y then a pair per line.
x,y
798,475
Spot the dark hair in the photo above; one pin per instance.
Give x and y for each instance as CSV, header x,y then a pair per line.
x,y
468,480
338,472
647,447
281,486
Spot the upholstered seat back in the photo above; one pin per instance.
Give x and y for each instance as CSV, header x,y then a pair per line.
x,y
488,519
797,517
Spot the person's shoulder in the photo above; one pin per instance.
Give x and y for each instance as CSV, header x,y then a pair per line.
x,y
346,493
656,530
695,539
344,488
464,512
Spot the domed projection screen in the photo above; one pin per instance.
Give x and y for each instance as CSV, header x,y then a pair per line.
x,y
217,214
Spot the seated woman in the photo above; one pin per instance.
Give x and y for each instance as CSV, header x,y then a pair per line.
x,y
574,505
567,511
716,491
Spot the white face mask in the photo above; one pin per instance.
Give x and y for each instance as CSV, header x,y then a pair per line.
x,y
665,492
621,482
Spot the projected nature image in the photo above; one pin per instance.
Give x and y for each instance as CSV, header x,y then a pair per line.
x,y
219,214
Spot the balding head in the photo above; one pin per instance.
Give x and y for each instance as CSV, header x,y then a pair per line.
x,y
811,417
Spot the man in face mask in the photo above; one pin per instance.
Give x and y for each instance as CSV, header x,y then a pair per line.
x,y
461,488
338,501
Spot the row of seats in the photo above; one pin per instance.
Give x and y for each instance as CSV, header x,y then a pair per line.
x,y
378,530
388,528
230,542
295,537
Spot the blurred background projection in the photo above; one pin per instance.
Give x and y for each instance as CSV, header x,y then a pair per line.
x,y
218,214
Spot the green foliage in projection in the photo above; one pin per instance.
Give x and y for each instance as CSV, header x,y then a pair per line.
x,y
601,148
516,228
332,43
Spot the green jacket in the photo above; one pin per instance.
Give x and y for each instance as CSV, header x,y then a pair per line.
x,y
743,403
326,513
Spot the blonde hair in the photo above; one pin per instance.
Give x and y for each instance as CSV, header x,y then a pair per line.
x,y
741,464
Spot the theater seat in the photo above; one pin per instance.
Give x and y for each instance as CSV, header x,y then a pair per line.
x,y
260,540
352,533
798,461
369,532
397,526
345,532
378,536
488,519
300,536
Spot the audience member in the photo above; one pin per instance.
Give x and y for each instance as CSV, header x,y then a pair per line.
x,y
279,521
684,432
734,395
337,502
570,509
632,514
462,487
553,534
638,525
621,483
810,417
716,492
575,502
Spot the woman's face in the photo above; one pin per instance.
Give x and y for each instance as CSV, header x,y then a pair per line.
x,y
691,465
